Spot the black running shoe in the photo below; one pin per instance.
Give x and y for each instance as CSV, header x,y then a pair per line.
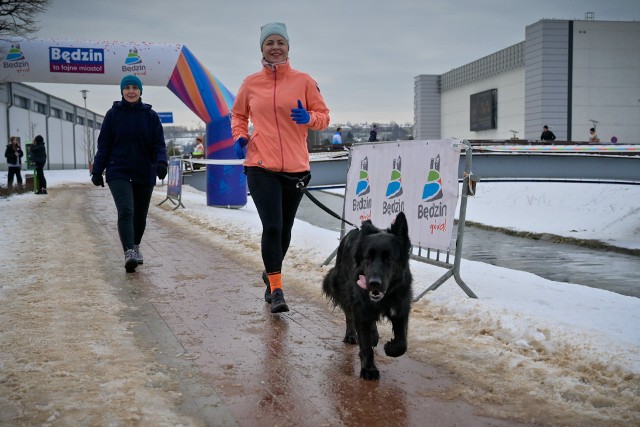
x,y
278,304
267,292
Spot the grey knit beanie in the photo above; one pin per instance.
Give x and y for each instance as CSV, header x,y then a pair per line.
x,y
273,28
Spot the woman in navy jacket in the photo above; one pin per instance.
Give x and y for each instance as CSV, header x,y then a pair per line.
x,y
132,152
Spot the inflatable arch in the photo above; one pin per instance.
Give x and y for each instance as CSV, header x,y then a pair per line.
x,y
170,65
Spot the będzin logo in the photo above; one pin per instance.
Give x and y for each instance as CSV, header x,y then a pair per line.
x,y
15,59
133,63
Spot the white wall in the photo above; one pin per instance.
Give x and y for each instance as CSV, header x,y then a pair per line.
x,y
456,107
606,80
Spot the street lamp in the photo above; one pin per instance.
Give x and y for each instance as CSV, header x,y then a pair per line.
x,y
87,142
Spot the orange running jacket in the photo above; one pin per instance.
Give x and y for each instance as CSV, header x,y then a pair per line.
x,y
266,98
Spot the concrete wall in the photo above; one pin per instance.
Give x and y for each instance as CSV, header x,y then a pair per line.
x,y
563,74
427,104
546,57
606,76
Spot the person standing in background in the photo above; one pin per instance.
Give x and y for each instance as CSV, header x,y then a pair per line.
x,y
283,104
593,136
132,151
547,135
39,157
373,135
14,154
337,137
199,148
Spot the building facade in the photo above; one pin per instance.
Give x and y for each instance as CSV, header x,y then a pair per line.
x,y
569,75
26,112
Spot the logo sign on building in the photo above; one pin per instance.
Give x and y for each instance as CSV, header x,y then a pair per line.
x,y
166,117
419,178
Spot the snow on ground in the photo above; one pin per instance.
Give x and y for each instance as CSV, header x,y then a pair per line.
x,y
575,347
606,212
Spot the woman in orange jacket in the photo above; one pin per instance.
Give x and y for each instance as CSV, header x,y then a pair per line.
x,y
282,103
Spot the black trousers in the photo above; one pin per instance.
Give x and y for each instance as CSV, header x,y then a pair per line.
x,y
14,171
277,199
42,182
132,203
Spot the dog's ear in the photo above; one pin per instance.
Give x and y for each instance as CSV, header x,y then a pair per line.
x,y
368,228
400,228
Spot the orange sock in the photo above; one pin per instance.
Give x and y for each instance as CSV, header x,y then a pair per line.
x,y
275,281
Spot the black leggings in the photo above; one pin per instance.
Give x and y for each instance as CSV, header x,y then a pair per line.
x,y
42,182
277,199
132,202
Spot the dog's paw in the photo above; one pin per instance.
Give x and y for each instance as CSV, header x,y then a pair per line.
x,y
395,348
371,374
350,339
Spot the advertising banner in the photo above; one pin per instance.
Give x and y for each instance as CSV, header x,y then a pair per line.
x,y
90,62
419,178
174,182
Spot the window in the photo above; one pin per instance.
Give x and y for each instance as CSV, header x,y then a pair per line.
x,y
21,101
80,120
90,123
40,107
68,116
55,112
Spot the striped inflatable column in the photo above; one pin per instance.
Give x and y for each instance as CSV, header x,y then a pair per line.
x,y
226,184
210,100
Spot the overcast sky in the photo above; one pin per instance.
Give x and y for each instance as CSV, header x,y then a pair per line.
x,y
363,54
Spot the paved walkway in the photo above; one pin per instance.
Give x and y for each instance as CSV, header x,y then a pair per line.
x,y
198,310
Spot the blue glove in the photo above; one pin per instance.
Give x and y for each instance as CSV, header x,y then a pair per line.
x,y
239,145
300,115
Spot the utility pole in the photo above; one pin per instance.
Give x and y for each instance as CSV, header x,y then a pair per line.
x,y
87,141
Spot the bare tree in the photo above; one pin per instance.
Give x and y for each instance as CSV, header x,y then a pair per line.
x,y
18,17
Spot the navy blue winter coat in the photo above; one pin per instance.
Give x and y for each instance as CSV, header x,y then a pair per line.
x,y
38,153
131,143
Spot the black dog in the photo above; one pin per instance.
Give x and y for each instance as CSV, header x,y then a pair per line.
x,y
371,279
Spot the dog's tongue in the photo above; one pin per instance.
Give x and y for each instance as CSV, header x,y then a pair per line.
x,y
362,281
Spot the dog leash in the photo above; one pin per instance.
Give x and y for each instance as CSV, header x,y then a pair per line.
x,y
300,185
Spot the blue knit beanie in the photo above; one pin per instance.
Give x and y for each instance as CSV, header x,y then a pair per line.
x,y
130,80
273,28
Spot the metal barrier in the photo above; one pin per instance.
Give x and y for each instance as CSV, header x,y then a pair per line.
x,y
468,189
433,256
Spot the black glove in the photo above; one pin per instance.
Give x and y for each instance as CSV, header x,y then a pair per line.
x,y
162,170
97,180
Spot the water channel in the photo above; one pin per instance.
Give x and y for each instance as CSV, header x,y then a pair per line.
x,y
559,262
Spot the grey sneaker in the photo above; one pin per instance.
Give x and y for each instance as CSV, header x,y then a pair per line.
x,y
139,256
130,262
